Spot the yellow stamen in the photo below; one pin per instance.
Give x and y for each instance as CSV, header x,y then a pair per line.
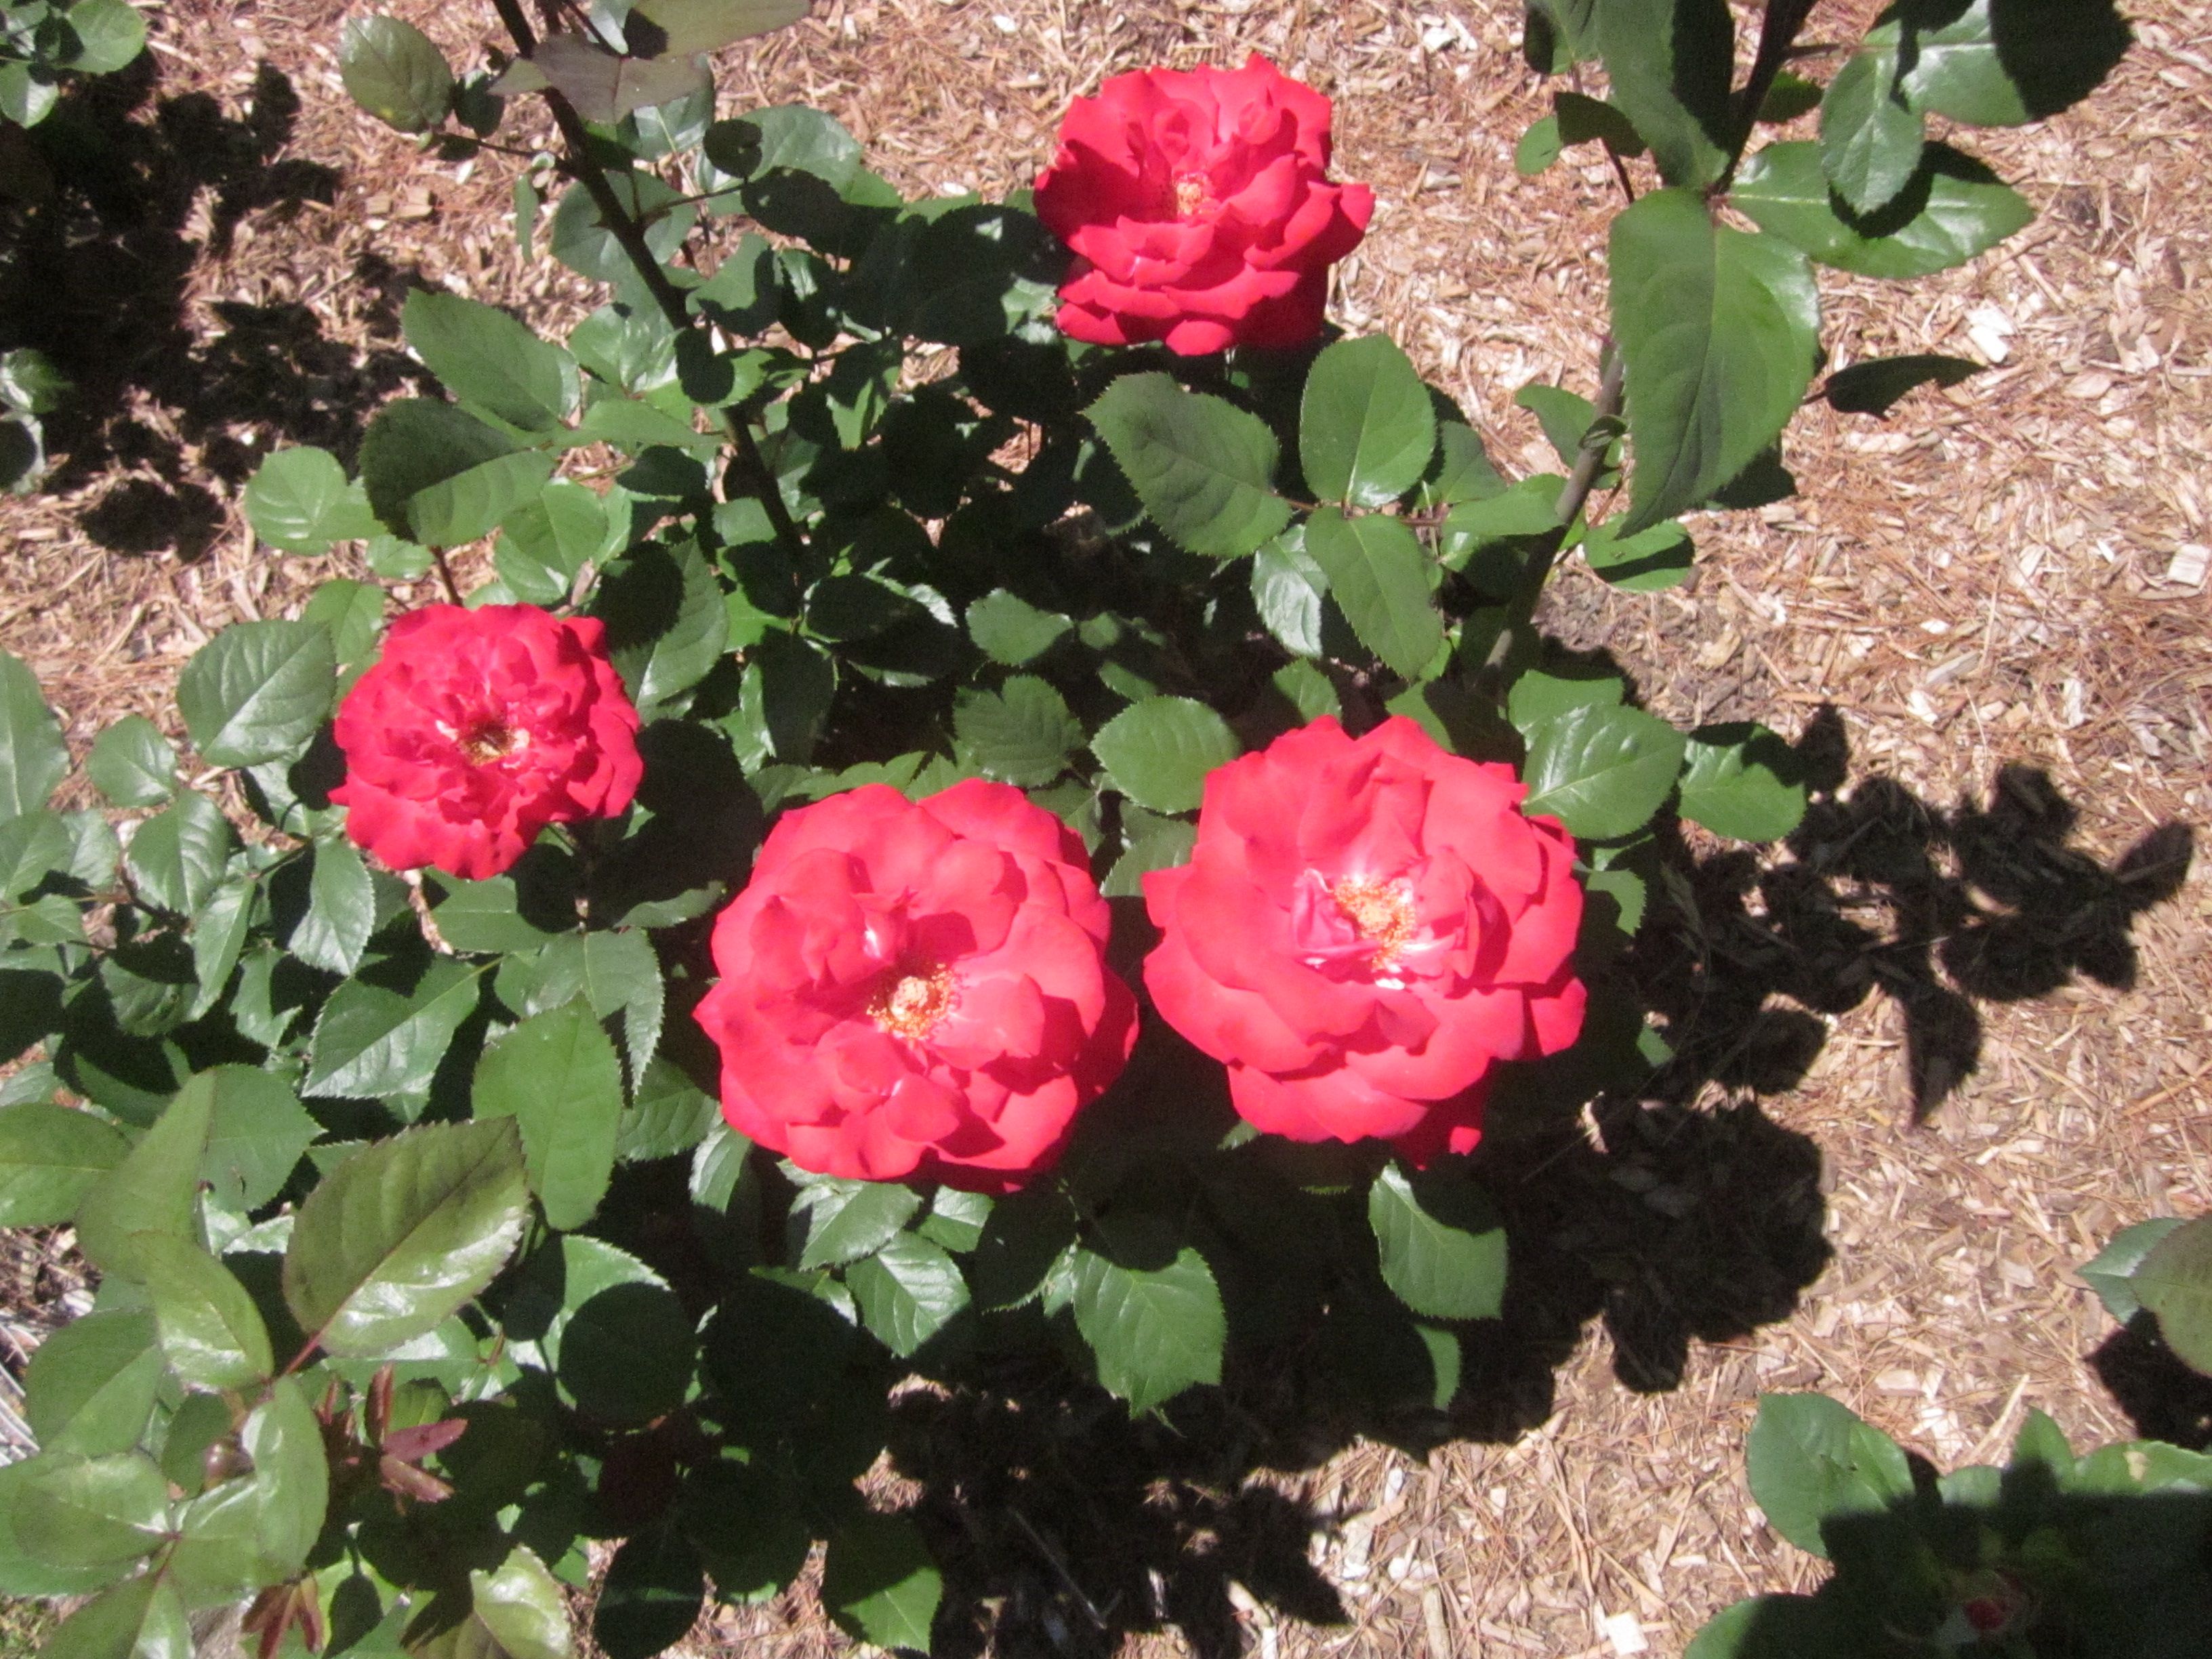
x,y
1189,191
490,741
1382,911
912,1007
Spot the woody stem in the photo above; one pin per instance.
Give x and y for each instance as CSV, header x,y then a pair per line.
x,y
629,233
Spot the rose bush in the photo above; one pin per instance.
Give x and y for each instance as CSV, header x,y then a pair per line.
x,y
918,988
476,729
1200,211
443,1269
1364,928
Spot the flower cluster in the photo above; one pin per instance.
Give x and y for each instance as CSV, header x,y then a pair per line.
x,y
1366,928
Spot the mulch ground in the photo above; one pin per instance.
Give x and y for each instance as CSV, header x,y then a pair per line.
x,y
1944,1044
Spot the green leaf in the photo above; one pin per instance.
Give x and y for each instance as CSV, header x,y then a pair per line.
x,y
561,1080
603,85
613,972
258,690
177,856
1811,1459
91,1386
1567,418
1536,697
51,1156
155,1188
371,1041
437,475
1670,62
353,614
132,763
680,27
246,1533
403,1233
1159,751
1203,468
1602,771
341,910
1778,1627
490,362
1720,329
33,847
1873,386
1539,147
1380,579
1008,629
92,1512
33,759
848,1220
544,545
392,70
1151,1314
257,1135
2111,1272
1150,843
609,1326
141,1618
211,1333
2000,62
23,1571
1744,780
521,1607
957,1218
668,622
1307,690
1582,119
1366,427
109,33
301,500
1870,136
669,1114
1951,209
579,241
1021,734
879,1582
2174,1281
1442,1242
218,935
1287,590
1661,556
650,1596
485,915
909,1290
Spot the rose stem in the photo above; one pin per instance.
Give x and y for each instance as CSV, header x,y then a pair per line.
x,y
631,235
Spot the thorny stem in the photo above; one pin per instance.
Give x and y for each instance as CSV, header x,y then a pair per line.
x,y
631,234
1589,462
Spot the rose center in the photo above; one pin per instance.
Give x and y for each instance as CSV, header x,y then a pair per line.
x,y
911,1006
489,739
1191,191
1381,911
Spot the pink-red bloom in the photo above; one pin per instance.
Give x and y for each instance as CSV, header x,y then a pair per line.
x,y
917,989
1199,209
476,729
1364,928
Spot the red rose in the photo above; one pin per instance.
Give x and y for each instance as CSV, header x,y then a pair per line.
x,y
476,729
1199,209
1364,926
917,989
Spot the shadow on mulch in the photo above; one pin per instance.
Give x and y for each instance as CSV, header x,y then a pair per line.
x,y
1065,1528
2162,1397
131,192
